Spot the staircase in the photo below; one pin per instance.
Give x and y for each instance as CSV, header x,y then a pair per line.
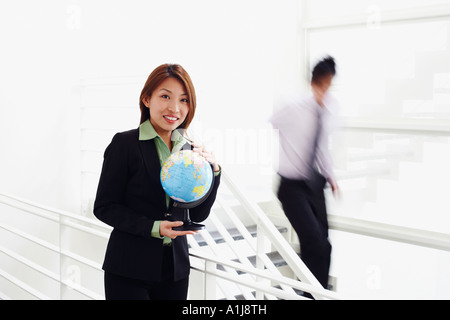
x,y
245,246
274,256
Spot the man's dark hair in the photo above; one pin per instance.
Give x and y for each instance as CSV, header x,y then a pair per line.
x,y
323,68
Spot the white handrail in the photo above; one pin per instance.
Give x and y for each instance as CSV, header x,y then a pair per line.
x,y
47,212
424,238
33,265
30,237
24,286
401,126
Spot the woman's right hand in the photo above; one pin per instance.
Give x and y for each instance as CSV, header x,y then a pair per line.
x,y
165,229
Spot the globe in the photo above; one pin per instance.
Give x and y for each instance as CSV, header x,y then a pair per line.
x,y
186,177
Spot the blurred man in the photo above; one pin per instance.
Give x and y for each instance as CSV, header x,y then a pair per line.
x,y
305,166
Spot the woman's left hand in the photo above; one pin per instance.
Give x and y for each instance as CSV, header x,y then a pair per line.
x,y
208,155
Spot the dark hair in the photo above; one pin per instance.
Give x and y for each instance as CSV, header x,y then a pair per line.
x,y
158,75
323,68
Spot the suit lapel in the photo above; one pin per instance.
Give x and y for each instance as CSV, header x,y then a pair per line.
x,y
153,167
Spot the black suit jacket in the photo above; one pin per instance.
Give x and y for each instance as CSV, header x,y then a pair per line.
x,y
130,198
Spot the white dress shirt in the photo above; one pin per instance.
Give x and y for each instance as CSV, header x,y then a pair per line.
x,y
297,120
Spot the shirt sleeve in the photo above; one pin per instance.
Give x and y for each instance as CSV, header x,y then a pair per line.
x,y
325,160
155,234
155,230
218,172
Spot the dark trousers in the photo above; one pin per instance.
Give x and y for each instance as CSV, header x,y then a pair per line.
x,y
304,206
123,288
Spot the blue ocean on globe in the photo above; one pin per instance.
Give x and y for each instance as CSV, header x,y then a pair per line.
x,y
186,176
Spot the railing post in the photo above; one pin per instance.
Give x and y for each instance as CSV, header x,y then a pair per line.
x,y
260,250
210,280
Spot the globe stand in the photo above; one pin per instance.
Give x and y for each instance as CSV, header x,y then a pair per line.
x,y
188,225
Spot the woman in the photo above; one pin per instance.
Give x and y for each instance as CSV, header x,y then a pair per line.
x,y
145,258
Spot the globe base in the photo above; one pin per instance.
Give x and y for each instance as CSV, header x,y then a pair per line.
x,y
190,226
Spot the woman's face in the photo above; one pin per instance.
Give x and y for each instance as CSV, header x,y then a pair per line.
x,y
168,105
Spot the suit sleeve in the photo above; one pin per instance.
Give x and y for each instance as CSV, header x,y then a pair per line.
x,y
109,205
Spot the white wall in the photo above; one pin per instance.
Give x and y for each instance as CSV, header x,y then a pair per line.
x,y
235,51
39,116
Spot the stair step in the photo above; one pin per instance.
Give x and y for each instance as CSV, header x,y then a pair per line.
x,y
234,232
241,296
274,256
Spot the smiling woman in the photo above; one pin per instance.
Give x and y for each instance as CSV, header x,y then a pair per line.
x,y
168,107
153,84
146,257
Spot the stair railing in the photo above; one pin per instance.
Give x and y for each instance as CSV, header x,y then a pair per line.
x,y
238,253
